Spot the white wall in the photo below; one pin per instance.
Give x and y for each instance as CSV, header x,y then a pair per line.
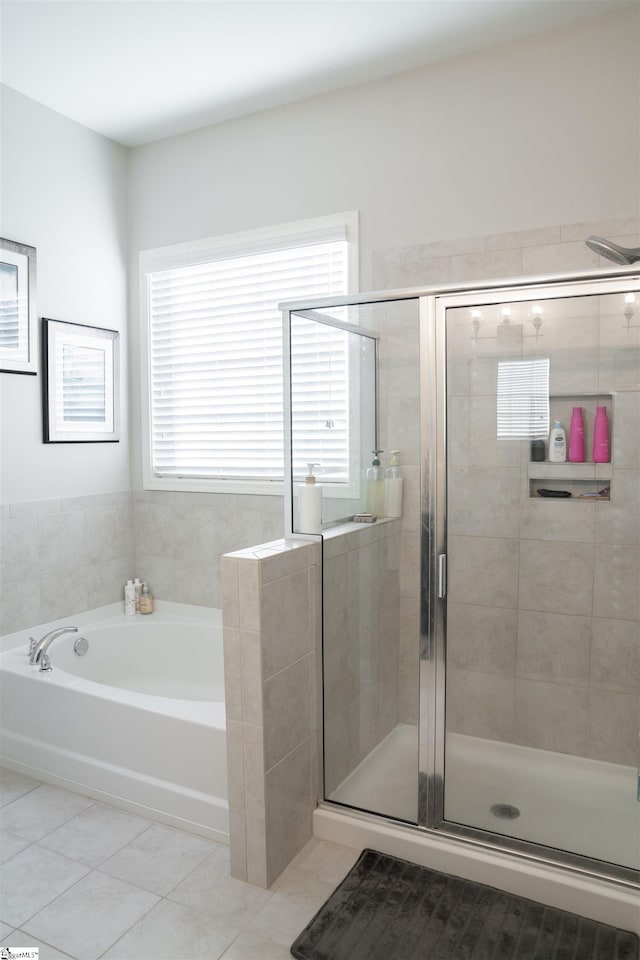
x,y
535,132
63,190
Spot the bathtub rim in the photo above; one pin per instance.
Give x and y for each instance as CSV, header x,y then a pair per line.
x,y
112,612
208,712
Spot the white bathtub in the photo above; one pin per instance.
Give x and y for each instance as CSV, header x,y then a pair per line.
x,y
138,721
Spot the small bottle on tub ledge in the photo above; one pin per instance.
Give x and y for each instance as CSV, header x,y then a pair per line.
x,y
129,598
146,600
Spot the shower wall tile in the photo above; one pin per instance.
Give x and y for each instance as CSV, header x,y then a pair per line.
x,y
553,646
563,577
481,639
626,227
556,577
619,349
481,702
548,520
551,716
524,238
625,440
619,521
617,575
288,803
484,502
615,655
233,675
613,727
285,622
553,258
286,701
483,571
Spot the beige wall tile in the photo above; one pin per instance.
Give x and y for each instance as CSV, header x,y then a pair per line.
x,y
235,764
614,720
19,549
249,604
286,629
251,664
288,711
615,655
554,520
481,704
289,805
254,771
483,502
619,520
237,844
483,571
229,591
481,639
616,594
556,577
232,674
553,646
551,716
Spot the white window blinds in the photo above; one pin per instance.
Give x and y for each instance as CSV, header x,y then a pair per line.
x,y
523,398
215,358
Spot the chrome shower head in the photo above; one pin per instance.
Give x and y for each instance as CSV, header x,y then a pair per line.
x,y
610,250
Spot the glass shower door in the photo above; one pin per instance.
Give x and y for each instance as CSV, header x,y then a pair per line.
x,y
543,556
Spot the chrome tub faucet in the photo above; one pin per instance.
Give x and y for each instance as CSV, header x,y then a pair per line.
x,y
38,648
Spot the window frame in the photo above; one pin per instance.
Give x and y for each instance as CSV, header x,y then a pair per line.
x,y
263,239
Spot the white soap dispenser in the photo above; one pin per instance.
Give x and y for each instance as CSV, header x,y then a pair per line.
x,y
310,503
393,487
375,486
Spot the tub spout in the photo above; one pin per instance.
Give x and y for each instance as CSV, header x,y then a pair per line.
x,y
38,650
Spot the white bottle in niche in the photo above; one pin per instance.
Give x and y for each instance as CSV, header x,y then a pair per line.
x,y
310,503
557,443
129,598
393,487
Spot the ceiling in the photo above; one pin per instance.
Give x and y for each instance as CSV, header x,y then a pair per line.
x,y
141,70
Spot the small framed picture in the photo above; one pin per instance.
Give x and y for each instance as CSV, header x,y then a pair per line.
x,y
81,383
18,314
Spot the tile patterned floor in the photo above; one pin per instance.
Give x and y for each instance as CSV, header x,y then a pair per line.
x,y
82,880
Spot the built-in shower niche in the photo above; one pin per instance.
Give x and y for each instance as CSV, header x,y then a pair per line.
x,y
332,387
586,481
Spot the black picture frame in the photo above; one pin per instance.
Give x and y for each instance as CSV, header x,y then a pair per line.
x,y
18,311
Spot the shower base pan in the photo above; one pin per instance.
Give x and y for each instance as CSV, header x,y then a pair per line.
x,y
583,806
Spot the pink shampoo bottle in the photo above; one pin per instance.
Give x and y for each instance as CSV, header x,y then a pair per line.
x,y
601,436
576,436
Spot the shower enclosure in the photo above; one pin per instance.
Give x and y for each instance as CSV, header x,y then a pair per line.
x,y
481,653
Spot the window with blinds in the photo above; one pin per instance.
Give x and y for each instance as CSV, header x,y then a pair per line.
x,y
523,398
215,360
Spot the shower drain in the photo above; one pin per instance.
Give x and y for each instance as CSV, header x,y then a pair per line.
x,y
505,811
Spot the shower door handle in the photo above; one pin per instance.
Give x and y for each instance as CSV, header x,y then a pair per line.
x,y
442,576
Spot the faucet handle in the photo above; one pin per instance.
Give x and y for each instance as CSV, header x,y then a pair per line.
x,y
32,646
45,663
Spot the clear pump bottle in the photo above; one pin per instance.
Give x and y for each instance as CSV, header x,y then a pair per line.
x,y
393,487
375,486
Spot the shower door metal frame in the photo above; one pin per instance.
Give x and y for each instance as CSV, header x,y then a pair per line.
x,y
432,302
433,310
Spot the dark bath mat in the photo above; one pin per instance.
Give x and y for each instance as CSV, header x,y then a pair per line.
x,y
390,909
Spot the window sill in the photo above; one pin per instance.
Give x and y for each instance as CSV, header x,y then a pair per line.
x,y
264,488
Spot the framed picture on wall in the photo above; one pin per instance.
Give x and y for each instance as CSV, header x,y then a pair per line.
x,y
18,315
81,383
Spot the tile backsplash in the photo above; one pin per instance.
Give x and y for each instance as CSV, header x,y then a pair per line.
x,y
60,557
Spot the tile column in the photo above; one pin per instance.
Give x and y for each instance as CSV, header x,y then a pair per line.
x,y
271,609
